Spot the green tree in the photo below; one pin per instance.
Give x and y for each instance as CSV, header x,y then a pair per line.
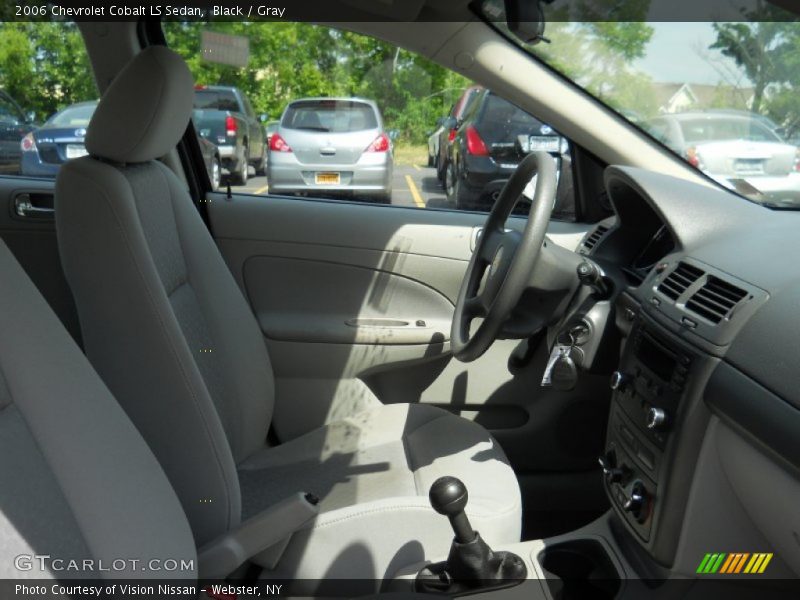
x,y
293,60
44,66
751,46
598,55
767,49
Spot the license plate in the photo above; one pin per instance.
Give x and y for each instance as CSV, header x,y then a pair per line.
x,y
545,143
749,166
327,178
76,150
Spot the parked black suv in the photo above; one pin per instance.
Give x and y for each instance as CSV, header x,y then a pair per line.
x,y
491,140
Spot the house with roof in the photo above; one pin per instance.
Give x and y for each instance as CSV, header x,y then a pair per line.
x,y
681,97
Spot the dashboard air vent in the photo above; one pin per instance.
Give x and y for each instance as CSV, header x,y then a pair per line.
x,y
679,280
715,300
594,237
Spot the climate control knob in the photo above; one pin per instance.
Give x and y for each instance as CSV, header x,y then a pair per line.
x,y
618,380
636,501
612,473
656,418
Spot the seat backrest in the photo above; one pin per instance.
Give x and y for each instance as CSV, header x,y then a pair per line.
x,y
77,481
163,321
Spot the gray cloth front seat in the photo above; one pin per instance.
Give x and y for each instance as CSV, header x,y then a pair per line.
x,y
77,481
171,334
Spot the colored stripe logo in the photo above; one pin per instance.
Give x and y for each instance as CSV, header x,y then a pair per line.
x,y
734,563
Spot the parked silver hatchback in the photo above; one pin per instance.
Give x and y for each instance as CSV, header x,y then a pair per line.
x,y
331,147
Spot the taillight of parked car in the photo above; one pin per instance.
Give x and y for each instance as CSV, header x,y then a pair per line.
x,y
452,135
28,144
230,126
379,144
278,144
692,158
475,144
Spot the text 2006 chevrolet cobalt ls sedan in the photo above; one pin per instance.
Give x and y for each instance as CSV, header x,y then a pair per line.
x,y
331,146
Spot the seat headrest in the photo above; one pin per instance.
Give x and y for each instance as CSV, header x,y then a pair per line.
x,y
146,109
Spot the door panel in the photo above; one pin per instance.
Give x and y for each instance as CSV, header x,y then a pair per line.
x,y
312,268
370,306
32,240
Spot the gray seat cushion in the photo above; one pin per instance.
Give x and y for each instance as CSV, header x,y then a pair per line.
x,y
372,473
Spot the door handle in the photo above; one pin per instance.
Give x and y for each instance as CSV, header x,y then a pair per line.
x,y
34,206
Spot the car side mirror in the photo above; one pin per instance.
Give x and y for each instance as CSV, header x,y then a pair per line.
x,y
263,117
393,134
30,116
451,123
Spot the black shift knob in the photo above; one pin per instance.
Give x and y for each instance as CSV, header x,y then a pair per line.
x,y
448,496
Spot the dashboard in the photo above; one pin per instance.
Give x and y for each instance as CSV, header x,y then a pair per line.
x,y
703,441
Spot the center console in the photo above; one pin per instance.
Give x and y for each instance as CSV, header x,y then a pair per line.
x,y
656,423
648,391
581,564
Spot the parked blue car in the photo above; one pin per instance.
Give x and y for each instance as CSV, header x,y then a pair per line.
x,y
61,138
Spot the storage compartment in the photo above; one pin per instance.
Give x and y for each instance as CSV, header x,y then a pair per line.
x,y
578,569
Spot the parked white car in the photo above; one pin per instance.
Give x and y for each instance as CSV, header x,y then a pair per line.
x,y
735,150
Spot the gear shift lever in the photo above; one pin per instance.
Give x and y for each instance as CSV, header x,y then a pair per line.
x,y
471,564
448,497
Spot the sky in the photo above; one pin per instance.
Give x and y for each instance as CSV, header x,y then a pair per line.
x,y
678,53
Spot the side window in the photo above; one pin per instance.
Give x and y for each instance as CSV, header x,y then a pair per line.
x,y
358,119
48,96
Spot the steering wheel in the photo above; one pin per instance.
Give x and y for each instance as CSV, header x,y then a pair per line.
x,y
503,261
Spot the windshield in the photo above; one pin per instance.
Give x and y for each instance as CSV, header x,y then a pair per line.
x,y
74,116
333,116
690,83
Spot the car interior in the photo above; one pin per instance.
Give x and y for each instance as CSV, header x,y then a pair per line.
x,y
315,391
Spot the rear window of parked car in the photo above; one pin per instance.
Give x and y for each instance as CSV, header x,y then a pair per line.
x,y
333,116
215,100
498,110
719,130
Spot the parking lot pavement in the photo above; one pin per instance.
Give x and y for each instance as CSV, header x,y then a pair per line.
x,y
414,185
418,186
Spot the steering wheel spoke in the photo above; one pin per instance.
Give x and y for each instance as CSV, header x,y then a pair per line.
x,y
489,243
503,260
475,307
